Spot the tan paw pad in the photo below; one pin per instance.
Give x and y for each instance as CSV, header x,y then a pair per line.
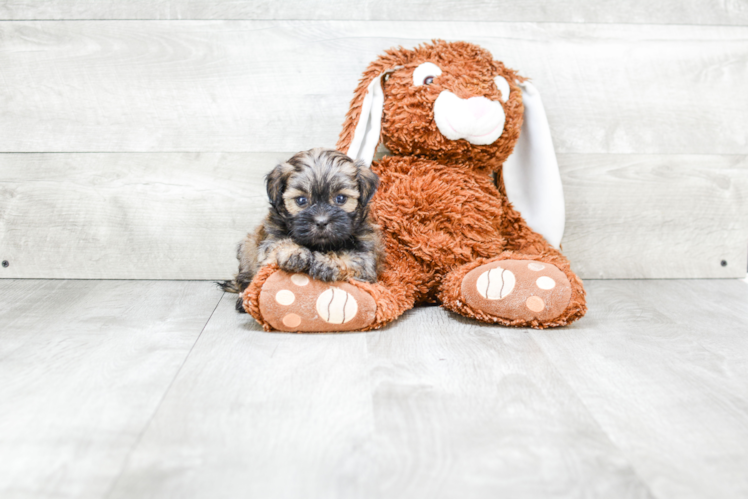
x,y
523,290
292,320
535,304
496,283
545,283
297,303
300,279
285,297
336,306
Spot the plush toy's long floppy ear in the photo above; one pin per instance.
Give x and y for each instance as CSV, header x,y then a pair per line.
x,y
531,175
363,124
369,127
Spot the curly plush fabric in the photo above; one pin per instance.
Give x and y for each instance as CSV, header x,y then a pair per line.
x,y
441,205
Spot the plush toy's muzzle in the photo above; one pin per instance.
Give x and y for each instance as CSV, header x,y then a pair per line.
x,y
477,120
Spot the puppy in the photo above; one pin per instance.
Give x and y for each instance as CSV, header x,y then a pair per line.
x,y
318,222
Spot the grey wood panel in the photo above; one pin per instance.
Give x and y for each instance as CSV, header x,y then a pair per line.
x,y
286,85
637,216
475,411
180,215
661,365
84,365
731,12
129,216
257,414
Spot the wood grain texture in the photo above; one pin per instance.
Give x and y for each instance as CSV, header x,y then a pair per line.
x,y
639,216
84,365
286,85
129,216
469,410
645,396
662,365
181,215
730,12
256,414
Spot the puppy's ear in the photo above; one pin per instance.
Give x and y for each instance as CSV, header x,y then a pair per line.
x,y
275,182
368,182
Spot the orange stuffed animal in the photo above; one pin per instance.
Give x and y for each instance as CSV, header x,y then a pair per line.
x,y
451,116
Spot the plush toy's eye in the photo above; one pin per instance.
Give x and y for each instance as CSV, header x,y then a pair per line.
x,y
341,199
503,87
425,73
301,201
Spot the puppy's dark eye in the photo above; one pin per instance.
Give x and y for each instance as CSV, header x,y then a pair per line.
x,y
341,199
428,80
301,201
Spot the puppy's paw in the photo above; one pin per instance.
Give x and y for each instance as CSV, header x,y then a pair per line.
x,y
326,268
362,267
294,259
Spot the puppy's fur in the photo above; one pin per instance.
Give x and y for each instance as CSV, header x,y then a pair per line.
x,y
318,222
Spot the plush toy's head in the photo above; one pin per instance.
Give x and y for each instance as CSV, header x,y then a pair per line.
x,y
447,101
452,103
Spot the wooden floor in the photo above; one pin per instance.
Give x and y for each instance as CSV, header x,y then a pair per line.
x,y
159,389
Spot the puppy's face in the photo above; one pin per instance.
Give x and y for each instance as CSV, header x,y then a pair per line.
x,y
322,196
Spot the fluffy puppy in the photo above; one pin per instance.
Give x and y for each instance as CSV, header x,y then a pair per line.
x,y
318,222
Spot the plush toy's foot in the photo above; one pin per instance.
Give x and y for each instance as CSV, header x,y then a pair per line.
x,y
298,303
520,292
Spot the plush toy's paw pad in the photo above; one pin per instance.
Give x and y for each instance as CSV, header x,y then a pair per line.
x,y
298,303
518,289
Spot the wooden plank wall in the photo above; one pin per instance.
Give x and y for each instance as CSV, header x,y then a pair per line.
x,y
718,12
134,137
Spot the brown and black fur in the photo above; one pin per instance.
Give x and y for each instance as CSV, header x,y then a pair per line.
x,y
318,223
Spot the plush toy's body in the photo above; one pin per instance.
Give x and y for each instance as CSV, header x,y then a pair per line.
x,y
451,116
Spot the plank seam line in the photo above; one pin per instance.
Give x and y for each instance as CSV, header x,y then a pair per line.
x,y
160,402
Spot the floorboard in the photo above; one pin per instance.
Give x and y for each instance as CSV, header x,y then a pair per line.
x,y
468,410
257,414
84,365
110,389
662,366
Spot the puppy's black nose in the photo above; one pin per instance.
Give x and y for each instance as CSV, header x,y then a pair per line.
x,y
321,222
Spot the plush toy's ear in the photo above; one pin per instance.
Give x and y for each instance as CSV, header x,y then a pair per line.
x,y
531,175
369,126
363,124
